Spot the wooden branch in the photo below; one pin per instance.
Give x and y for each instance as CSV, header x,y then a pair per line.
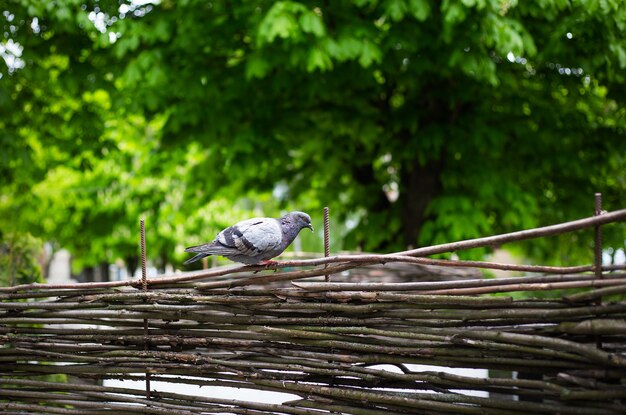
x,y
616,216
489,285
599,293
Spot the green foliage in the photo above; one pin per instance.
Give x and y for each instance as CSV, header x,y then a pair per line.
x,y
419,121
18,259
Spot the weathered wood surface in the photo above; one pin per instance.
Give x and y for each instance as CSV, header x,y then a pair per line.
x,y
325,342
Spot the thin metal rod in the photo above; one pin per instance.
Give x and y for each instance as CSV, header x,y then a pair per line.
x,y
326,240
144,284
327,276
598,237
142,230
597,251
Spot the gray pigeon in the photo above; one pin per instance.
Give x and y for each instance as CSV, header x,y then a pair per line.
x,y
254,240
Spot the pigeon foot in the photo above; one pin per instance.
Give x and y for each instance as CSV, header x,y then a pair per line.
x,y
267,263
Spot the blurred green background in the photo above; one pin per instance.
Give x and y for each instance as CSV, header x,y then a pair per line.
x,y
416,121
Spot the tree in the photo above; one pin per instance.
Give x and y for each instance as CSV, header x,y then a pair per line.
x,y
19,259
419,121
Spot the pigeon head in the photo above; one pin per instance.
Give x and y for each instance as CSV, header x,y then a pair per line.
x,y
298,220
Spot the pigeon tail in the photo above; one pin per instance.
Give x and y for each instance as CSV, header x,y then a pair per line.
x,y
196,258
212,248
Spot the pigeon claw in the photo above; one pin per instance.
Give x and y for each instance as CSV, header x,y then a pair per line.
x,y
267,264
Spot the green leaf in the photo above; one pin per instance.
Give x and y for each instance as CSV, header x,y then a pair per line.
x,y
128,43
396,9
312,23
420,9
256,66
279,22
508,36
453,13
282,26
363,3
370,54
318,59
620,53
160,31
346,47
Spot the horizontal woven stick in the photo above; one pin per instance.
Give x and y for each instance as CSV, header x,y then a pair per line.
x,y
440,379
545,286
357,376
565,227
298,338
392,306
445,401
440,285
162,395
595,294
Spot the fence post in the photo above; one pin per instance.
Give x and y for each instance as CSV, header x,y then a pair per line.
x,y
144,284
598,237
597,251
326,240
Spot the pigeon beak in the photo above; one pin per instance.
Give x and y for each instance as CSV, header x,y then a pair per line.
x,y
310,227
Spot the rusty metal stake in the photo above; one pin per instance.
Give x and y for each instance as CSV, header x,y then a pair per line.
x,y
327,276
597,251
598,238
142,230
326,240
144,284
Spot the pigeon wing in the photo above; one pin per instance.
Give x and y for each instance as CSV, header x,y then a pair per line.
x,y
252,237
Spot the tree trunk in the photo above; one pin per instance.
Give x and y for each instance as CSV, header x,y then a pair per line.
x,y
132,262
419,186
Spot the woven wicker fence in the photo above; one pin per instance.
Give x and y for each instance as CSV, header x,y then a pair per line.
x,y
342,347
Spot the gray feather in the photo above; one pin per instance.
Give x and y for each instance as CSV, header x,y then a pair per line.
x,y
195,258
